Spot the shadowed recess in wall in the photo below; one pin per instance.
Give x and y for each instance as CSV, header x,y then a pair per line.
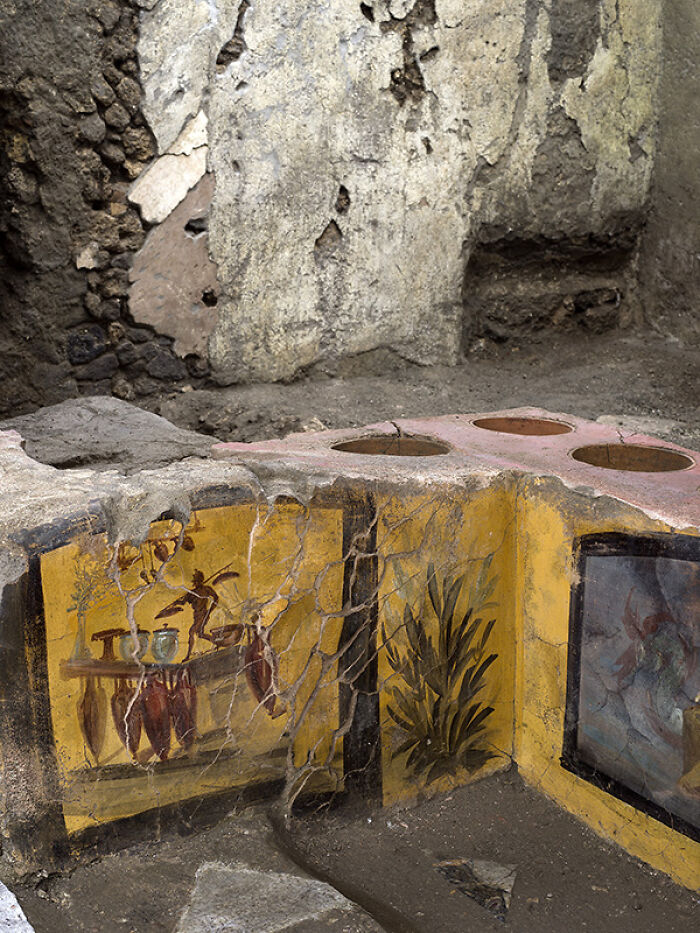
x,y
236,45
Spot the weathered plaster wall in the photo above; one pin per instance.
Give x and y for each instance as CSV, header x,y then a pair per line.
x,y
363,154
670,264
244,191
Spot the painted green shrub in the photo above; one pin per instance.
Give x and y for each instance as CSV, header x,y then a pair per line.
x,y
435,698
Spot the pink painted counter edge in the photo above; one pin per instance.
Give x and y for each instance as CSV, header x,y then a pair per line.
x,y
671,496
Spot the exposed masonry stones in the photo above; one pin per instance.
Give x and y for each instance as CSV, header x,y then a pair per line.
x,y
72,141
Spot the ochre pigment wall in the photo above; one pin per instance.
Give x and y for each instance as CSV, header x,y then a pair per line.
x,y
244,190
550,520
346,645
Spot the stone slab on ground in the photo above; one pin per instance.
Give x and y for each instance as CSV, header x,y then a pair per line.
x,y
12,919
186,882
237,899
104,433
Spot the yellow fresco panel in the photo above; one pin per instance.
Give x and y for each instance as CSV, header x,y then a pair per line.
x,y
436,731
550,519
263,581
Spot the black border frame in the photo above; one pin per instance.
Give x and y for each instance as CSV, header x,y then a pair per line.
x,y
614,544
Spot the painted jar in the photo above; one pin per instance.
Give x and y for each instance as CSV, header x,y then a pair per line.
x,y
126,645
164,644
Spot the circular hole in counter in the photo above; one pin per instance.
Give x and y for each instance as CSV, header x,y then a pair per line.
x,y
634,458
394,445
532,427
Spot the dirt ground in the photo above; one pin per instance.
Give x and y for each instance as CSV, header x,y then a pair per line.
x,y
384,860
639,377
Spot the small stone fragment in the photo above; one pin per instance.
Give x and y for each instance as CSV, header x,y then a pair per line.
x,y
22,185
117,116
134,169
126,353
145,386
137,143
107,13
165,365
113,75
164,185
101,91
122,388
86,344
103,367
92,303
116,332
118,51
112,153
87,257
488,883
92,128
115,284
129,94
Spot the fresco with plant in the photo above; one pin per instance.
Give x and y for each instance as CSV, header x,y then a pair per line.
x,y
437,696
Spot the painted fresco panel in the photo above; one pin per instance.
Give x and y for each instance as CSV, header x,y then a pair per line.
x,y
279,649
637,729
447,655
226,687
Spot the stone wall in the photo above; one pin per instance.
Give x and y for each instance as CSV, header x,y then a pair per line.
x,y
231,191
670,264
72,141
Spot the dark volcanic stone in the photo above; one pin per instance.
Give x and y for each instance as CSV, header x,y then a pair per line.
x,y
139,334
112,153
126,353
196,366
92,129
129,93
164,365
101,91
146,386
137,143
104,367
86,344
107,13
122,388
117,116
113,75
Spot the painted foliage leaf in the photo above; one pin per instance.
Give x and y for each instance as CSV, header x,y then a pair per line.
x,y
436,700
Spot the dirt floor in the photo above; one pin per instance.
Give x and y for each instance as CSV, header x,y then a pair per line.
x,y
384,860
638,377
